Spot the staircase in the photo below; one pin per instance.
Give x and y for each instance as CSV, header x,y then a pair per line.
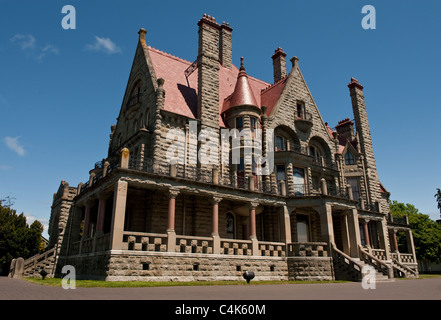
x,y
354,269
34,265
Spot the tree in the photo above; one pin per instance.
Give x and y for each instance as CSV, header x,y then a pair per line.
x,y
426,232
438,198
17,238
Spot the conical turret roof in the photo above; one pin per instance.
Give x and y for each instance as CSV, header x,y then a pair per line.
x,y
243,94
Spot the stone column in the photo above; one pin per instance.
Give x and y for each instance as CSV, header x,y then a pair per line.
x,y
101,215
286,233
394,239
382,228
326,224
354,233
215,224
253,233
410,244
367,241
171,234
87,219
118,215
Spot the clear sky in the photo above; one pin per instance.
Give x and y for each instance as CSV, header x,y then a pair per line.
x,y
61,90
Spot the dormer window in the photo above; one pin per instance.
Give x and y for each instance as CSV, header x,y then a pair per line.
x,y
349,158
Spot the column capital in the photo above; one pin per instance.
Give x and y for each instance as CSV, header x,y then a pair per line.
x,y
215,200
253,205
173,193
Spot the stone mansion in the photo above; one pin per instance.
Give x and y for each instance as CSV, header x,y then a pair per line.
x,y
321,212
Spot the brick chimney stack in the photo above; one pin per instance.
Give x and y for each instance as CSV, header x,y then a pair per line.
x,y
208,71
345,128
365,139
225,45
279,64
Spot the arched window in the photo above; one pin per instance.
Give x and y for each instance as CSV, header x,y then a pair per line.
x,y
280,143
349,158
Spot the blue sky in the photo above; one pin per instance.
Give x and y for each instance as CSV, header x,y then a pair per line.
x,y
61,90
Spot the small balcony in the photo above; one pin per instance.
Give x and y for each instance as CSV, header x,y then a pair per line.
x,y
304,122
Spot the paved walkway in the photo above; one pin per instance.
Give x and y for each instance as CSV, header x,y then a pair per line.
x,y
415,289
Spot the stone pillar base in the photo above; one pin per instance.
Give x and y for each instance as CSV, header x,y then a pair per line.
x,y
171,240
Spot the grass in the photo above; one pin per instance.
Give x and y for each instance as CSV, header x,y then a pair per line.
x,y
56,282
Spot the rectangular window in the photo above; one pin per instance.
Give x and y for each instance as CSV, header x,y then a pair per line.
x,y
302,228
299,181
353,182
299,110
280,175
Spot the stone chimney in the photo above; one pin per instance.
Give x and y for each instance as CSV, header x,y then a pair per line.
x,y
279,64
225,45
208,71
345,128
365,140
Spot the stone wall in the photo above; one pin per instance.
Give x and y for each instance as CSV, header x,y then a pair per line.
x,y
125,266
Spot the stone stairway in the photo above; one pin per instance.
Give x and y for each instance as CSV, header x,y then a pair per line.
x,y
379,276
34,265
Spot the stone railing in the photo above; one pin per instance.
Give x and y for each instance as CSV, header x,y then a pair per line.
x,y
141,241
403,257
102,242
308,249
272,249
33,261
193,244
345,267
87,245
236,247
380,254
378,264
74,248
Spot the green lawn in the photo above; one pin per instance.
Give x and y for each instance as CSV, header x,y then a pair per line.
x,y
130,284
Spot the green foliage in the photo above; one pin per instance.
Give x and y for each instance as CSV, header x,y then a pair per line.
x,y
438,198
17,238
426,232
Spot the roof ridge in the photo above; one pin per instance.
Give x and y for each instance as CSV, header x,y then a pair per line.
x,y
273,85
169,55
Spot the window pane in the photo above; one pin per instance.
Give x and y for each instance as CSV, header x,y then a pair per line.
x,y
349,158
353,182
239,123
280,143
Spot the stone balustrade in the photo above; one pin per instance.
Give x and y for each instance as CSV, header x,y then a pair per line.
x,y
193,244
308,249
236,247
140,241
272,249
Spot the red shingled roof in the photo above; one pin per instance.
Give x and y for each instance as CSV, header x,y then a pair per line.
x,y
181,97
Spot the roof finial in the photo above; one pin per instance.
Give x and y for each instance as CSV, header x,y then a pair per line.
x,y
241,64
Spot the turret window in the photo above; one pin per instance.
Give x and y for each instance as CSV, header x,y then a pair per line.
x,y
239,123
